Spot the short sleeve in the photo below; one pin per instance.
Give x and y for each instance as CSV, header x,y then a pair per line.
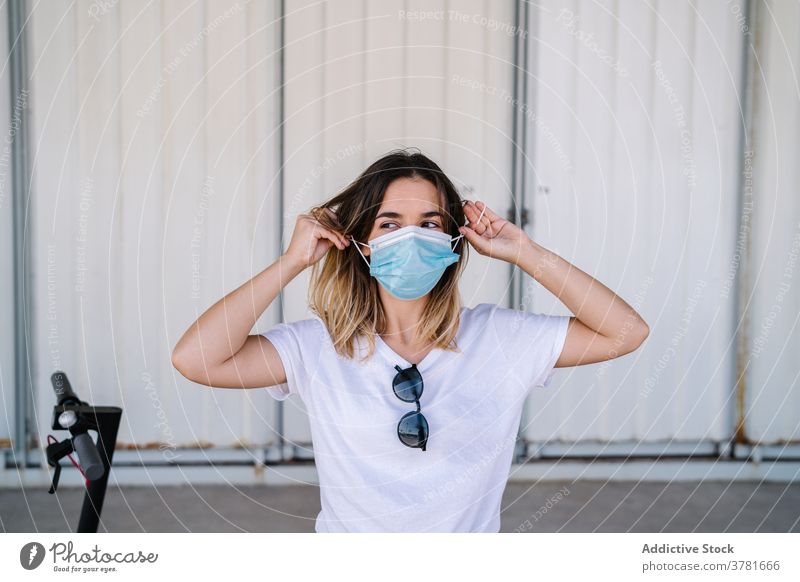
x,y
531,343
292,341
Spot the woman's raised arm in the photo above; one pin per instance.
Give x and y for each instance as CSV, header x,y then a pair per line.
x,y
217,351
604,326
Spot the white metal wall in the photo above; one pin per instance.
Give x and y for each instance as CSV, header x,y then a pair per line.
x,y
155,158
772,392
365,78
6,244
154,166
635,183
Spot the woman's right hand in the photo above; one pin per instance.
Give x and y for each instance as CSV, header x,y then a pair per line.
x,y
310,240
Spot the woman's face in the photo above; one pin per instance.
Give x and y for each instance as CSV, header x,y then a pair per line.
x,y
407,202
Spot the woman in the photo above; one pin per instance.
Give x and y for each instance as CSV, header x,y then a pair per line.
x,y
414,401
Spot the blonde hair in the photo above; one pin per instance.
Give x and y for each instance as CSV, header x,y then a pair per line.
x,y
342,292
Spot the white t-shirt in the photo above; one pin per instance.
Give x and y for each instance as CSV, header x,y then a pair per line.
x,y
369,480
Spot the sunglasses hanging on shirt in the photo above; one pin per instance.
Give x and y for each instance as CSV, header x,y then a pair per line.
x,y
412,430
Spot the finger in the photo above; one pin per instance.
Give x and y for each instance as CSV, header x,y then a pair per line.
x,y
331,236
332,215
473,213
339,239
469,211
474,238
335,218
340,242
489,214
480,212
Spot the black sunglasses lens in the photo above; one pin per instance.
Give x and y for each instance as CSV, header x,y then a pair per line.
x,y
408,385
413,429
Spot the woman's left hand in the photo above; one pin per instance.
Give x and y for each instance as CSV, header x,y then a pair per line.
x,y
493,236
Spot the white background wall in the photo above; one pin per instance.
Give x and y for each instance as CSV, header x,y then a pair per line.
x,y
154,132
155,157
635,163
638,113
773,396
6,246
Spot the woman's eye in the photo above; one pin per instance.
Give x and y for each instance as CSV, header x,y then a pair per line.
x,y
427,222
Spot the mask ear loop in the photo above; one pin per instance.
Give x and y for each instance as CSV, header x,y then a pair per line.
x,y
359,250
452,248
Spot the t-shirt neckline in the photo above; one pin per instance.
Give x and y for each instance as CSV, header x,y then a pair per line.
x,y
394,358
391,355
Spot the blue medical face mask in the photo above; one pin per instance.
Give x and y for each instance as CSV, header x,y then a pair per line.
x,y
409,261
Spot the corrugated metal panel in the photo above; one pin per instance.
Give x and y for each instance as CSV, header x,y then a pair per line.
x,y
154,159
7,375
772,392
154,191
636,161
365,78
154,175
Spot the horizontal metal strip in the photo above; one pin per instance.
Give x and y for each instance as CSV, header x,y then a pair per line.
x,y
630,449
299,452
306,474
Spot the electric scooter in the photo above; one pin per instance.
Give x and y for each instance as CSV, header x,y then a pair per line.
x,y
71,413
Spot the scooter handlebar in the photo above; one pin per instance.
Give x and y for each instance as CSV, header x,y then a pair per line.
x,y
82,443
89,458
63,389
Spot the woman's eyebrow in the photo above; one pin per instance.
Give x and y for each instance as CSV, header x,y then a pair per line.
x,y
390,214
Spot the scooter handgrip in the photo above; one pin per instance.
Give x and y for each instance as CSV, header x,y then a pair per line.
x,y
89,457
